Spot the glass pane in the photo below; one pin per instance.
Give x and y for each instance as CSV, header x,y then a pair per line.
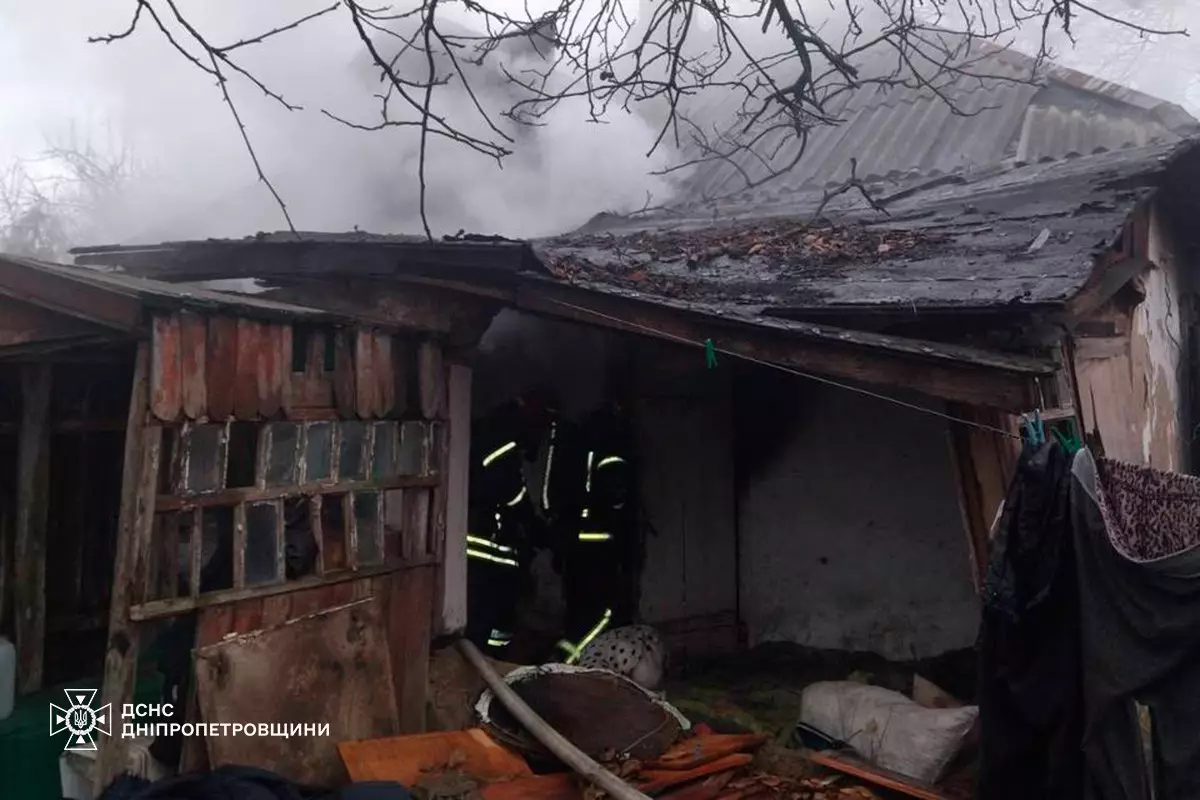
x,y
366,517
433,455
184,530
386,434
333,532
243,454
350,454
411,458
393,523
281,461
318,453
300,546
165,572
261,566
216,556
203,446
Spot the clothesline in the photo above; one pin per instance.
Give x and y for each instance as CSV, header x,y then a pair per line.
x,y
708,345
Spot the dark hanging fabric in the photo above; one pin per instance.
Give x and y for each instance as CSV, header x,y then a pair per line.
x,y
1137,533
1029,693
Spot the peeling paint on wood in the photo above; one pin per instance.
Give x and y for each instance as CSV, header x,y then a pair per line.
x,y
343,373
385,374
366,383
270,371
193,364
166,398
249,345
431,377
221,367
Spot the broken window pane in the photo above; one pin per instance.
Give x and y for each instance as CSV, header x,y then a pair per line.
x,y
216,555
333,532
433,463
281,460
366,517
350,454
393,523
300,546
411,458
166,576
167,480
243,454
318,452
202,444
261,564
386,434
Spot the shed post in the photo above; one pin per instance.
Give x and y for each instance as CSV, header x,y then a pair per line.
x,y
143,439
29,552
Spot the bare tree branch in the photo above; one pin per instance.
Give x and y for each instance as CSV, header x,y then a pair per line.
x,y
785,65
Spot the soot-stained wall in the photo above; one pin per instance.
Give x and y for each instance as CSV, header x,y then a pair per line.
x,y
851,531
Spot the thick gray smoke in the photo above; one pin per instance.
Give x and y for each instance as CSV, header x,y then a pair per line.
x,y
197,179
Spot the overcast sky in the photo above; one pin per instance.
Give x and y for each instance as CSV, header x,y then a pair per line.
x,y
140,93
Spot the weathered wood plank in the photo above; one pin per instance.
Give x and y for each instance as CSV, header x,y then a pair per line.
x,y
270,371
193,331
249,345
138,478
366,401
29,565
221,367
404,362
285,373
409,621
431,380
452,574
167,375
385,374
343,373
157,609
225,497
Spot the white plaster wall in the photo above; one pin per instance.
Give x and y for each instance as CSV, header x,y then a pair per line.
x,y
851,533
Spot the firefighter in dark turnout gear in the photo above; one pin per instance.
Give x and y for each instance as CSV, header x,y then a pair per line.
x,y
501,520
598,550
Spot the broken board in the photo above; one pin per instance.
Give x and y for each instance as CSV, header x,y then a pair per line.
x,y
849,763
329,668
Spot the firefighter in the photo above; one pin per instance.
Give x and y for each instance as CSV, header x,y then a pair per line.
x,y
501,520
601,538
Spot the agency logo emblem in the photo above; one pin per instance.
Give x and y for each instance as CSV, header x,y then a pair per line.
x,y
80,719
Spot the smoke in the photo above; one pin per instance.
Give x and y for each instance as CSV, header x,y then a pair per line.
x,y
196,179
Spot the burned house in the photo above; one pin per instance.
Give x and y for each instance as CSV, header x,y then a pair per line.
x,y
826,395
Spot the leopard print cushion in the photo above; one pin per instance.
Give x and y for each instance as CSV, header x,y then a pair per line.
x,y
636,651
1149,514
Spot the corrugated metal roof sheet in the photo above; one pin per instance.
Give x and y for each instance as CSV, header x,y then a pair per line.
x,y
901,133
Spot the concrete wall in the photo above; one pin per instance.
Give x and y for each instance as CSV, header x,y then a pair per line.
x,y
852,535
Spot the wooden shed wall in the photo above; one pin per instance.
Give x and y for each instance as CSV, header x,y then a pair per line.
x,y
213,372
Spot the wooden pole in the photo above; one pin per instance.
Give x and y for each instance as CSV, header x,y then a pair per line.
x,y
29,551
138,483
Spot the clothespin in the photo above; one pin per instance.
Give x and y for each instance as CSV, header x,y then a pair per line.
x,y
710,354
1035,430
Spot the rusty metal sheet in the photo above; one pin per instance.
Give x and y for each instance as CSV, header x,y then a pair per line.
x,y
366,399
250,341
385,374
166,392
332,667
193,336
221,367
343,372
270,371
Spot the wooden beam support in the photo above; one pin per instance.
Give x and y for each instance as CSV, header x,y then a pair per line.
x,y
937,375
451,600
29,552
138,482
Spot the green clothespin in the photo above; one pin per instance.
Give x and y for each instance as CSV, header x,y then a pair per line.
x,y
710,354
